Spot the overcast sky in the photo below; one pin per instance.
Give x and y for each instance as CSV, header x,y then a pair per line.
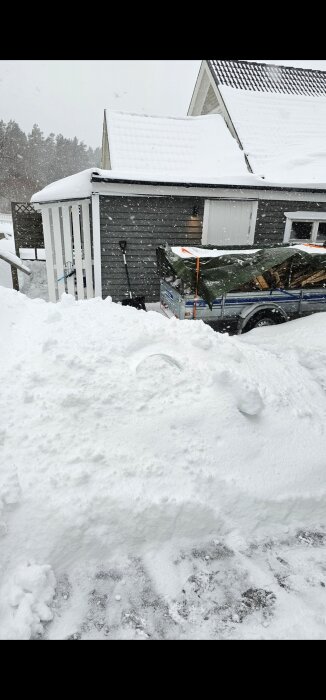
x,y
69,97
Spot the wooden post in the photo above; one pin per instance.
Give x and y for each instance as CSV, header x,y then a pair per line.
x,y
14,275
87,251
96,230
78,251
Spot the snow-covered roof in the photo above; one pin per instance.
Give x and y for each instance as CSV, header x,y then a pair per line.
x,y
83,184
283,135
265,77
76,186
190,148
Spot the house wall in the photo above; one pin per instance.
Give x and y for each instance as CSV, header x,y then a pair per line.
x,y
148,221
270,224
145,223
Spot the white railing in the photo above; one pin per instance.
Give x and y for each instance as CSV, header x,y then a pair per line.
x,y
68,248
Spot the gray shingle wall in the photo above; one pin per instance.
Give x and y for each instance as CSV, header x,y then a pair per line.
x,y
271,221
144,223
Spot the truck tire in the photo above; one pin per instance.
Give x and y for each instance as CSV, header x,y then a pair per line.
x,y
264,318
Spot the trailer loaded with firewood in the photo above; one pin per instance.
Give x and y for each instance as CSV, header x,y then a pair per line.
x,y
237,289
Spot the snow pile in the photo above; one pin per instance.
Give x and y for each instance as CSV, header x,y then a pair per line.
x,y
34,285
127,434
24,601
283,135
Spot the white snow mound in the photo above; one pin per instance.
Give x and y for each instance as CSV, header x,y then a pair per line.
x,y
122,431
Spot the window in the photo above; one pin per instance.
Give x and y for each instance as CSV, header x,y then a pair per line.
x,y
301,231
305,226
321,233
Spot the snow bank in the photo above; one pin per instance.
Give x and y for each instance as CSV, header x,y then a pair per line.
x,y
124,432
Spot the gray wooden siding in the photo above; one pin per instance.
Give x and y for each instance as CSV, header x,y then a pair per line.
x,y
145,223
271,221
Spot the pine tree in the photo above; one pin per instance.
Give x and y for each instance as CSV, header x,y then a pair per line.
x,y
29,163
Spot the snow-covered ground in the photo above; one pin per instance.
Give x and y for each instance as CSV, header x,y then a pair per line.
x,y
34,285
6,245
159,480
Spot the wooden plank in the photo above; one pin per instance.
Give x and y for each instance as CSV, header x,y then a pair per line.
x,y
58,252
261,282
87,251
78,251
52,287
67,238
319,276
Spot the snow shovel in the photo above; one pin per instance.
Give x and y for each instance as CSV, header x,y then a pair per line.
x,y
136,302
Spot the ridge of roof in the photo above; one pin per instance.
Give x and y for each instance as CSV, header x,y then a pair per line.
x,y
275,65
268,77
109,111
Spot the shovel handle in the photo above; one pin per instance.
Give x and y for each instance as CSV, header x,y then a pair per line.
x,y
123,245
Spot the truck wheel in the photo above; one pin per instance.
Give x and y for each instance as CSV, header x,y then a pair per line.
x,y
263,318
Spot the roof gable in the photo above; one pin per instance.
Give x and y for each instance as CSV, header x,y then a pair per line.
x,y
264,77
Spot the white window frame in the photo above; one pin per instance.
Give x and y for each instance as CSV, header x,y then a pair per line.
x,y
308,220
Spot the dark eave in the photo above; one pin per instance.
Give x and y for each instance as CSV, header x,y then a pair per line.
x,y
207,185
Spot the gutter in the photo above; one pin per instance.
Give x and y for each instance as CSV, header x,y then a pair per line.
x,y
207,185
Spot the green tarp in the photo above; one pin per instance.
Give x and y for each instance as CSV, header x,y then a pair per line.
x,y
227,273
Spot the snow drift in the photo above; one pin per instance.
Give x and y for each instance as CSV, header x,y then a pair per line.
x,y
124,432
